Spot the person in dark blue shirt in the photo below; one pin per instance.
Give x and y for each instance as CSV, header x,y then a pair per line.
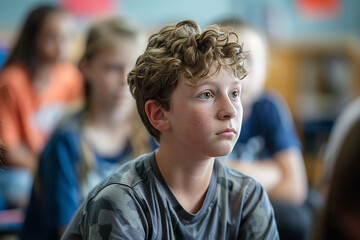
x,y
261,139
268,147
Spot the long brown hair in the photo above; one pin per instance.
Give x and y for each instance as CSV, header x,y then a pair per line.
x,y
24,51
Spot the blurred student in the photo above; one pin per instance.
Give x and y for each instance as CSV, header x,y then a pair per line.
x,y
36,85
268,147
341,217
91,143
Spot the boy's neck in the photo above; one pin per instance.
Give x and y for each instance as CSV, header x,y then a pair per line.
x,y
187,176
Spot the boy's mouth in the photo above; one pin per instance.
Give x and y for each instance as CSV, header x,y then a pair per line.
x,y
227,132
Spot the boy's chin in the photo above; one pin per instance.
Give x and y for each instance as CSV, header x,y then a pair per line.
x,y
224,152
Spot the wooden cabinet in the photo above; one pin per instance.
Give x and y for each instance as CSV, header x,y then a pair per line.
x,y
317,79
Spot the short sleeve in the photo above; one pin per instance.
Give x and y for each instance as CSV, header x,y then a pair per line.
x,y
9,118
17,106
114,213
258,220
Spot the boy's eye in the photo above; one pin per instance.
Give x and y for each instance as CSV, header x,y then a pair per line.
x,y
235,94
205,95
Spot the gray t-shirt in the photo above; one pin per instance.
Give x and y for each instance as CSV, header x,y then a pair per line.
x,y
136,203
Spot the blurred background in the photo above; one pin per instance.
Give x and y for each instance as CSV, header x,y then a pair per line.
x,y
314,48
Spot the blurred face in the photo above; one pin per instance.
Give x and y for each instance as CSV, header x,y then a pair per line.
x,y
253,83
54,40
206,119
107,74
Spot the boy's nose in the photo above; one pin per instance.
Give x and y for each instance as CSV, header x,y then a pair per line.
x,y
227,110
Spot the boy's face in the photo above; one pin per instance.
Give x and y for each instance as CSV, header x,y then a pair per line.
x,y
206,119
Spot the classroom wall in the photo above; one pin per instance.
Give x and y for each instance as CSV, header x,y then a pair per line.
x,y
279,17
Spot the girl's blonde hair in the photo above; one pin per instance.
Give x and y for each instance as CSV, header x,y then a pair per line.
x,y
104,35
107,32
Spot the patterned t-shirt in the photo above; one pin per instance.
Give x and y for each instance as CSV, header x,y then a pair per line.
x,y
136,203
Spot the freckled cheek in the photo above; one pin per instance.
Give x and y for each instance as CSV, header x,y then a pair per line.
x,y
239,110
191,124
239,117
193,127
190,127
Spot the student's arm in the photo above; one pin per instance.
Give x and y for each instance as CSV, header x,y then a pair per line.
x,y
267,172
21,156
114,213
283,176
292,187
257,219
287,181
17,152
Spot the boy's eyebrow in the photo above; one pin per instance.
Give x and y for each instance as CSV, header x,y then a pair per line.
x,y
201,82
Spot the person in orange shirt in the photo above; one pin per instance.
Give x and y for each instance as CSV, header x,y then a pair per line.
x,y
36,86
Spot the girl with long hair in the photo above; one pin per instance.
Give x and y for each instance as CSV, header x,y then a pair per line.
x,y
92,142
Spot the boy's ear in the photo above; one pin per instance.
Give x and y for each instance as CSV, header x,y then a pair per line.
x,y
156,115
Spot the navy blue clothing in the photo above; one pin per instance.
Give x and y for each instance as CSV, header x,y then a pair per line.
x,y
270,129
58,190
267,130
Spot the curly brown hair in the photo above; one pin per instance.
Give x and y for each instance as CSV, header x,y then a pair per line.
x,y
177,51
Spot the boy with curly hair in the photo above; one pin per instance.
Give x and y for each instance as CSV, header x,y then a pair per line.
x,y
187,89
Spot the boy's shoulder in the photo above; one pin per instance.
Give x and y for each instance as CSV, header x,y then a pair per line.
x,y
128,175
136,174
269,96
269,100
126,199
272,105
238,184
